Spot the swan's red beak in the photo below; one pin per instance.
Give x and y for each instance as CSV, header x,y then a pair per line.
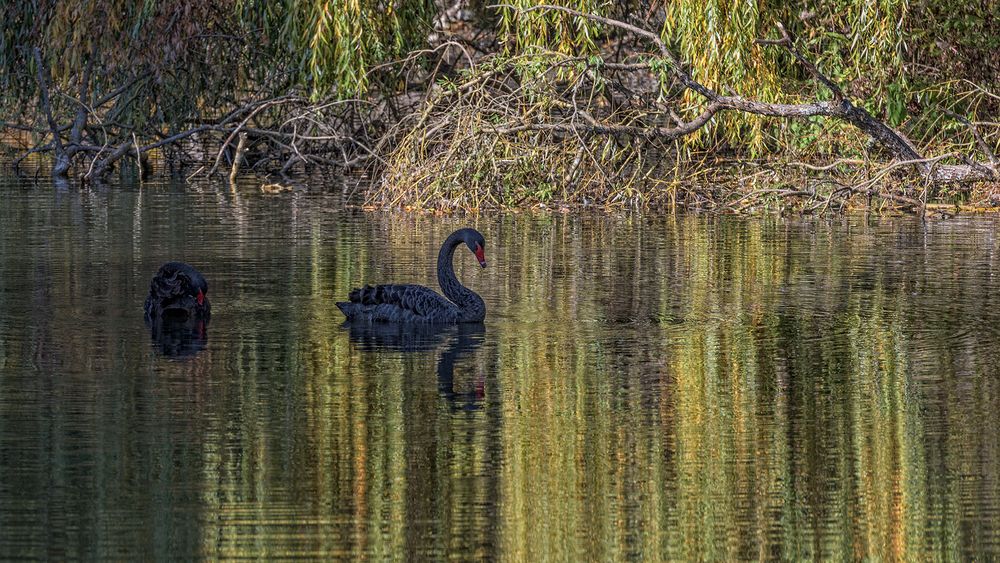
x,y
200,297
481,256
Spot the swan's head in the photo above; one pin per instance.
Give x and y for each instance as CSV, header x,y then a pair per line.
x,y
193,283
476,243
199,288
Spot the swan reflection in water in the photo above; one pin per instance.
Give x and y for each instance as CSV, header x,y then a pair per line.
x,y
454,342
178,338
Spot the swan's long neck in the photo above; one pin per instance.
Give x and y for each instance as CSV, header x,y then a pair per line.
x,y
472,305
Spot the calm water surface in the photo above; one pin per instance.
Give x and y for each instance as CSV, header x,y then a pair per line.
x,y
643,387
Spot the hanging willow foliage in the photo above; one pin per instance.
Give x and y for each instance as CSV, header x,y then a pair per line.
x,y
855,40
117,73
328,46
334,43
555,31
165,66
716,38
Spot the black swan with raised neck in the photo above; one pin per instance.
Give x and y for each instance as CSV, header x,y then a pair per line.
x,y
410,303
177,291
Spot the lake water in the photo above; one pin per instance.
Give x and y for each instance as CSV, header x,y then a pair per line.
x,y
644,387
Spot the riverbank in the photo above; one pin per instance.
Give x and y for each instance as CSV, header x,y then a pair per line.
x,y
625,113
761,187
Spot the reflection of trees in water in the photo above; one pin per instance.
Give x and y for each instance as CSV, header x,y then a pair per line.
x,y
447,477
825,364
661,388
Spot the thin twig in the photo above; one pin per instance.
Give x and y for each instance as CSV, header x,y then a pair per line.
x,y
979,138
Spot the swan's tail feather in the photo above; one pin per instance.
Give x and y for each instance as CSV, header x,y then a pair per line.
x,y
355,311
363,302
354,295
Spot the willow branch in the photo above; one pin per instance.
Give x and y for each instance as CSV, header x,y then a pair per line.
x,y
841,108
76,132
665,51
667,133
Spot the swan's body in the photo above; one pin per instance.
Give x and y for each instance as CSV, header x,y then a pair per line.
x,y
178,291
409,303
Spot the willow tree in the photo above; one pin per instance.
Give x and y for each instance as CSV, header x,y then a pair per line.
x,y
331,45
559,31
718,40
108,75
595,102
563,86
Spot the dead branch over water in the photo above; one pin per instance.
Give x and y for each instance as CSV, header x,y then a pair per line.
x,y
280,134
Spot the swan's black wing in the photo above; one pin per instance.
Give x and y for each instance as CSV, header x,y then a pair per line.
x,y
399,303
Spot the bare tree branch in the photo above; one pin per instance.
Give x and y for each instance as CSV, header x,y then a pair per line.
x,y
979,138
787,43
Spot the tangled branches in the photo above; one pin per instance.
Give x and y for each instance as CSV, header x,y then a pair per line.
x,y
461,127
530,129
279,134
546,126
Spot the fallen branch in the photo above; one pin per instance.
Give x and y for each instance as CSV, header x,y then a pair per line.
x,y
241,147
257,107
665,133
841,107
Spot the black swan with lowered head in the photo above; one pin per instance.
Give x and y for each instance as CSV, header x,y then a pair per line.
x,y
409,303
177,291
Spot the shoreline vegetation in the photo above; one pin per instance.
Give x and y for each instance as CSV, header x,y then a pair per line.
x,y
814,107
